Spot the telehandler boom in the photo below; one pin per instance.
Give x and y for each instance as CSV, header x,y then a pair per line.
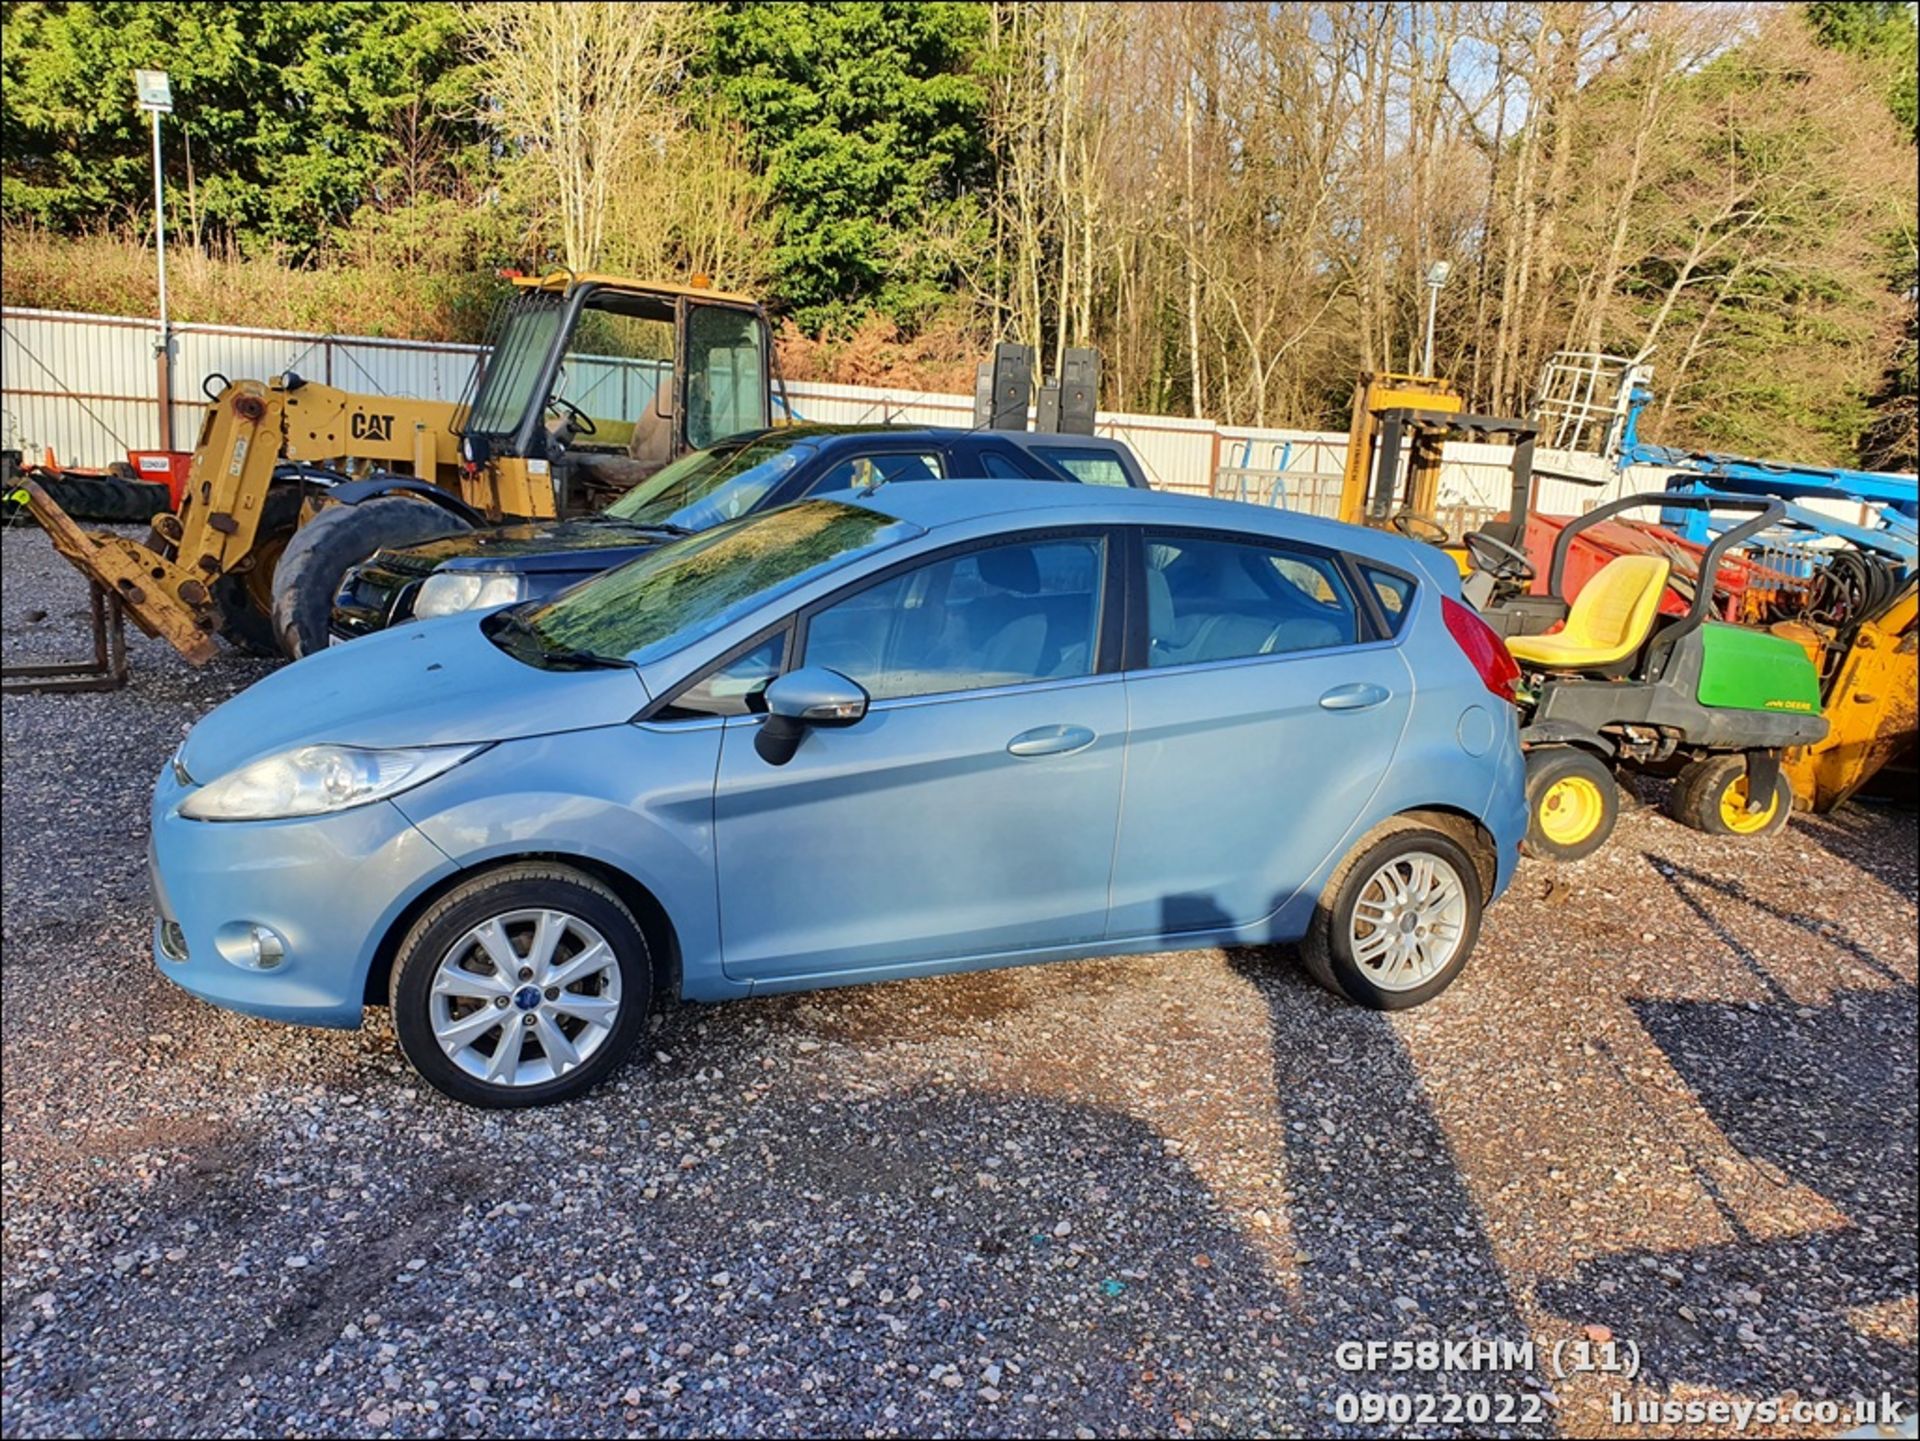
x,y
293,481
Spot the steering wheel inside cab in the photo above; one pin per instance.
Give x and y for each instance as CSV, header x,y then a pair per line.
x,y
1419,527
1498,559
577,421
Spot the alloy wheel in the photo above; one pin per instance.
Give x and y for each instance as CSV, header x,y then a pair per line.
x,y
1408,921
525,997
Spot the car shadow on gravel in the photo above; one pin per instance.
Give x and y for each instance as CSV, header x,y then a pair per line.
x,y
824,1272
1379,1211
1795,1090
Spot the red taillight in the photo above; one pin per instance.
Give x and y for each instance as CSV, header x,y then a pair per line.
x,y
1484,648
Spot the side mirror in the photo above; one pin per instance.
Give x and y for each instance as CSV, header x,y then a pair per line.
x,y
810,696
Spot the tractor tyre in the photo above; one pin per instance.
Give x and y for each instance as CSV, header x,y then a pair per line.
x,y
1572,803
1711,796
243,597
323,550
108,498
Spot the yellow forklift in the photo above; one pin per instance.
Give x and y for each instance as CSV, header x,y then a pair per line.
x,y
587,384
1418,415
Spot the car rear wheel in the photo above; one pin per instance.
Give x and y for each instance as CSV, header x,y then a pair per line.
x,y
525,986
1572,803
1711,795
321,552
1397,920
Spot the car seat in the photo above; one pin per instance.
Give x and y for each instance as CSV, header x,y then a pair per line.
x,y
1013,629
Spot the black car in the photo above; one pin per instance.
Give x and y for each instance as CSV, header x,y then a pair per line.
x,y
480,569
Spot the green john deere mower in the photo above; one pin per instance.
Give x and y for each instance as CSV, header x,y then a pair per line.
x,y
1623,687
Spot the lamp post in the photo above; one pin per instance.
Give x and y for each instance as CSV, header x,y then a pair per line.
x,y
155,96
1437,274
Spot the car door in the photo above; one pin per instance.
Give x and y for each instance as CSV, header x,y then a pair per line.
x,y
972,811
1263,715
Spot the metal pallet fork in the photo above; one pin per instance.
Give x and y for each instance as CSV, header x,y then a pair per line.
x,y
107,670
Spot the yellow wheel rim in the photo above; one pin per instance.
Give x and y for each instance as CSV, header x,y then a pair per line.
x,y
258,577
1571,810
1734,814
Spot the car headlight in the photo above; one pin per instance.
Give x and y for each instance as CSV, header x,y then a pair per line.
x,y
315,780
447,592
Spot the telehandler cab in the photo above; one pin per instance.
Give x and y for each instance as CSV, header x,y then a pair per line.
x,y
587,384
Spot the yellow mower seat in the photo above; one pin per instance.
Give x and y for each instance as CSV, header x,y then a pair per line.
x,y
1609,620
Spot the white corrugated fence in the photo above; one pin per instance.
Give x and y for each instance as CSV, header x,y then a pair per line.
x,y
84,387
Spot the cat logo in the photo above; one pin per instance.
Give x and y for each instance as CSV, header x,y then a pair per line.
x,y
371,427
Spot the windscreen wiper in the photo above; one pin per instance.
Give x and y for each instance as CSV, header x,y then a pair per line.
x,y
524,643
572,658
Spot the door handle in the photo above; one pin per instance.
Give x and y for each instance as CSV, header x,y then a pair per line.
x,y
1359,696
1050,741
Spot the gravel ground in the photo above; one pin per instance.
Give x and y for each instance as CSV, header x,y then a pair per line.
x,y
1673,1097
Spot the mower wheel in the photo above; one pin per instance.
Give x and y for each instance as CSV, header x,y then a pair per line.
x,y
1711,796
323,550
1572,803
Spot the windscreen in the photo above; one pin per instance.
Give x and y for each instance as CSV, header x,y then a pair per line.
x,y
670,597
522,335
706,487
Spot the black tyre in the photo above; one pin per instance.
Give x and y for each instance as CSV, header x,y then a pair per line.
x,y
243,597
1398,919
1711,795
321,552
524,986
108,498
1572,803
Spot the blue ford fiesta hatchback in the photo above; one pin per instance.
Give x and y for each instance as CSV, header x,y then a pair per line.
x,y
937,728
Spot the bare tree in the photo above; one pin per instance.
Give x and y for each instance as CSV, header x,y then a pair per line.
x,y
585,92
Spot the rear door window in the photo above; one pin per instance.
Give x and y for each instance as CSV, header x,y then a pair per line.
x,y
1214,599
884,467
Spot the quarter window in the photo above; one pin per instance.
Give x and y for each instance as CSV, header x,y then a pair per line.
x,y
1394,592
728,689
1210,599
1007,615
1089,467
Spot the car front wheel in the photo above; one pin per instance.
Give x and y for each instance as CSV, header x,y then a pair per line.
x,y
1397,920
522,987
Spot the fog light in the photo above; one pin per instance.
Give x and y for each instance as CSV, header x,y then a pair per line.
x,y
268,949
173,941
250,946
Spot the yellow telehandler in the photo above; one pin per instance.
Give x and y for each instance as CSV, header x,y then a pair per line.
x,y
587,384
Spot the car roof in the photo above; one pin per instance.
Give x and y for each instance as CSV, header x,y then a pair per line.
x,y
824,431
935,507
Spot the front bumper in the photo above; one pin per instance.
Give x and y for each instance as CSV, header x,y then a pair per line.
x,y
329,887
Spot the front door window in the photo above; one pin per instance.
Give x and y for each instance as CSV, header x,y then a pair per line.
x,y
1002,616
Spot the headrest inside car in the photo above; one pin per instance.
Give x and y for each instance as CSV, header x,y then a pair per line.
x,y
1010,567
